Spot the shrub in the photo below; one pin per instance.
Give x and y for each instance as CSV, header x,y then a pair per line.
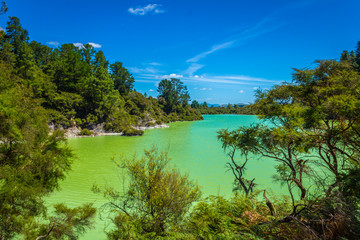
x,y
86,132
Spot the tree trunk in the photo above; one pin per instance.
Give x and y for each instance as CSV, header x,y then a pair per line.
x,y
269,204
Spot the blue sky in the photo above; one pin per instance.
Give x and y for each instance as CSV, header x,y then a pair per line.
x,y
222,50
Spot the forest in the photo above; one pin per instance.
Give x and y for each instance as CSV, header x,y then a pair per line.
x,y
78,87
310,129
204,109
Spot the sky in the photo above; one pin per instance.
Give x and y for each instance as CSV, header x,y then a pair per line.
x,y
221,50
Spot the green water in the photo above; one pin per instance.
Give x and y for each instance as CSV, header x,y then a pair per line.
x,y
193,147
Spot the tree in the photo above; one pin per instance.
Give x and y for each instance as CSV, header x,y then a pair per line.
x,y
32,162
42,54
241,139
16,35
88,53
174,93
154,202
204,105
69,68
312,127
195,104
123,80
3,8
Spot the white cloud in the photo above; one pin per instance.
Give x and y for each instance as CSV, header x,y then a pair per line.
x,y
151,90
196,88
202,89
78,45
95,45
212,50
173,75
53,43
255,88
144,10
241,91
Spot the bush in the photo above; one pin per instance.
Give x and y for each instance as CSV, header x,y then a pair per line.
x,y
132,132
155,202
86,132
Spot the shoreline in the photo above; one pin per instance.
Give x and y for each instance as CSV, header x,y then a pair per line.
x,y
73,132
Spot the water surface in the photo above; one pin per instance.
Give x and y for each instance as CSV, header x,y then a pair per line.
x,y
192,146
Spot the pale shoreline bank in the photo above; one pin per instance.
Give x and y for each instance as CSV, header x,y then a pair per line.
x,y
74,132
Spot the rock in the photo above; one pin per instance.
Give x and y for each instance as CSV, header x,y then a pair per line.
x,y
72,132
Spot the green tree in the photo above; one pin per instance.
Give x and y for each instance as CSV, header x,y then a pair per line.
x,y
32,162
42,54
195,104
174,93
312,127
88,53
204,105
16,35
68,68
154,202
3,8
123,80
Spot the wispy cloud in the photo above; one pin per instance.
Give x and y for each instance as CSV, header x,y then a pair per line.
x,y
143,70
155,64
212,50
241,91
154,8
231,80
151,90
254,31
194,67
53,43
246,78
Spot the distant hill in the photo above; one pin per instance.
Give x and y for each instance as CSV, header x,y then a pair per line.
x,y
225,105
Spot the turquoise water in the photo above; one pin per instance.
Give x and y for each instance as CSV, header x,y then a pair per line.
x,y
192,146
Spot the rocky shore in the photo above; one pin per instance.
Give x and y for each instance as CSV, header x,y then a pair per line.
x,y
98,130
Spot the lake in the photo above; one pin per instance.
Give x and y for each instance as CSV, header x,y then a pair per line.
x,y
192,146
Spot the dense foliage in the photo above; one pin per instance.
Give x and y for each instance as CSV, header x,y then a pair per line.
x,y
62,87
155,200
81,88
312,132
32,162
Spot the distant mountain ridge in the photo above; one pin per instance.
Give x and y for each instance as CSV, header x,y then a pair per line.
x,y
225,105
